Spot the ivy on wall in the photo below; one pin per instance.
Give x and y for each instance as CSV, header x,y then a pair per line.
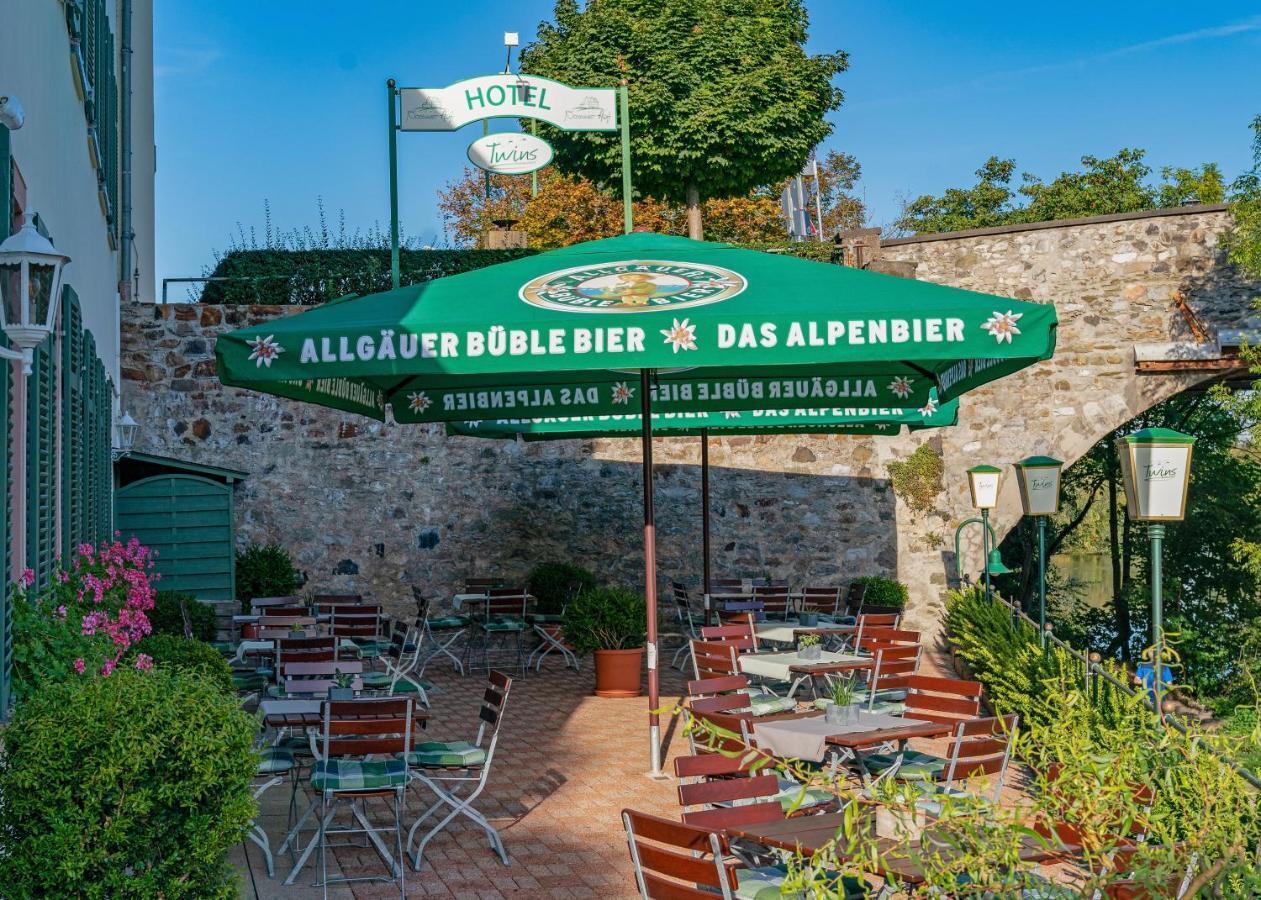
x,y
917,479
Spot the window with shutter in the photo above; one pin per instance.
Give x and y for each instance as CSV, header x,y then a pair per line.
x,y
6,612
41,472
74,480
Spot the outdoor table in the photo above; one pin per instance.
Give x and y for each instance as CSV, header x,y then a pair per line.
x,y
791,666
810,834
268,645
328,668
807,737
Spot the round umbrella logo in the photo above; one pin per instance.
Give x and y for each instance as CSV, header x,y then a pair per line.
x,y
633,286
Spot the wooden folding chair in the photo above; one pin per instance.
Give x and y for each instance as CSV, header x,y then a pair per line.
x,y
361,625
401,659
503,615
713,659
774,599
364,745
825,601
742,635
689,621
457,771
734,694
436,635
934,699
674,861
730,793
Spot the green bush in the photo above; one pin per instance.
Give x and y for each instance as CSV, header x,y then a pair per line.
x,y
553,582
606,619
179,654
882,591
172,609
264,571
135,785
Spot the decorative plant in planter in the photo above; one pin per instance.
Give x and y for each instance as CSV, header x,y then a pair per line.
x,y
343,686
554,584
611,624
809,646
883,592
842,706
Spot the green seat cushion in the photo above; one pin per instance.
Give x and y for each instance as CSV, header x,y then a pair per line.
x,y
890,695
888,709
545,618
446,623
379,681
248,681
915,766
503,625
764,884
296,744
790,790
763,703
341,774
275,761
442,754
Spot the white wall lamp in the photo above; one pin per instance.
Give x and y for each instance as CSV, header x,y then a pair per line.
x,y
30,290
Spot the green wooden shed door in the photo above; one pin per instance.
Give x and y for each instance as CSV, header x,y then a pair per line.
x,y
188,521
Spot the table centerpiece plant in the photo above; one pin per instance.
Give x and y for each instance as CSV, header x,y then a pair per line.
x,y
842,702
809,646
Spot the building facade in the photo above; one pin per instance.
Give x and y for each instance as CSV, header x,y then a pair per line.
x,y
77,160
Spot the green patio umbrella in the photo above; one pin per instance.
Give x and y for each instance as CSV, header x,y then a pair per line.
x,y
703,326
849,420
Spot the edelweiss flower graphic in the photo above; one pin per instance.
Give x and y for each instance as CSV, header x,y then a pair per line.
x,y
928,408
418,401
622,392
901,387
681,334
263,350
1002,325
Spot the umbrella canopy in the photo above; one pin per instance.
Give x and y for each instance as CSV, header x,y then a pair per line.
x,y
840,420
725,329
706,327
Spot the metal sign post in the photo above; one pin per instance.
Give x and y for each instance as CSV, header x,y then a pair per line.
x,y
505,95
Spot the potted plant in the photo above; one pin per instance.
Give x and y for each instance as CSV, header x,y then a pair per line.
x,y
611,624
343,686
899,817
841,708
809,646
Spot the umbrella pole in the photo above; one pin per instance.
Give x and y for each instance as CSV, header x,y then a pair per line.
x,y
705,547
650,578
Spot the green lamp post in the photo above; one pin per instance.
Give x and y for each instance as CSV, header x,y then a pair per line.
x,y
1039,478
1156,466
983,483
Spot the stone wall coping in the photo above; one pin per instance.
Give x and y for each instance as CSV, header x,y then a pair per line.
x,y
1189,210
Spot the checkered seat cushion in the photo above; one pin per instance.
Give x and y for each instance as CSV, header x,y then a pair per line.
x,y
448,623
275,761
354,775
790,790
915,766
544,618
296,745
504,624
764,884
248,681
446,754
764,703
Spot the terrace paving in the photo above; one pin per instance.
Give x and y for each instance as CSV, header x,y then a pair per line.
x,y
568,762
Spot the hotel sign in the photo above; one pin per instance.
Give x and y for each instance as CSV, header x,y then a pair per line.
x,y
521,96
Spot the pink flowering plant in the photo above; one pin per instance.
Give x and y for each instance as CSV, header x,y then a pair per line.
x,y
87,619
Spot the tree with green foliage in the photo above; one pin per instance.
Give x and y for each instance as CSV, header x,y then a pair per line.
x,y
1116,184
724,97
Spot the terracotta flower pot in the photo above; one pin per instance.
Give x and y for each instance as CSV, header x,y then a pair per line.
x,y
618,673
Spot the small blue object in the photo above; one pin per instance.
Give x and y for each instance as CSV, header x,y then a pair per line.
x,y
1147,674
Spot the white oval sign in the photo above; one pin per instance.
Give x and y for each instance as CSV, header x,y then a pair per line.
x,y
510,153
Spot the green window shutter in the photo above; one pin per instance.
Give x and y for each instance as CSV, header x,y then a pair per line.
x,y
41,466
74,481
6,612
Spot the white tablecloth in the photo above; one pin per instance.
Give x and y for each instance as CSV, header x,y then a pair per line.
x,y
775,666
778,632
806,738
266,645
460,599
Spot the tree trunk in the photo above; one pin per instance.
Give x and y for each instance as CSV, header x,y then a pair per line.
x,y
695,229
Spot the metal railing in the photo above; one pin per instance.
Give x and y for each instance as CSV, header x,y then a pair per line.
x,y
1093,669
166,282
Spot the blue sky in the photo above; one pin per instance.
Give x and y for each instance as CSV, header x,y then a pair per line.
x,y
286,100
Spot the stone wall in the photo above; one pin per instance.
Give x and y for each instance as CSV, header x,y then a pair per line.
x,y
378,508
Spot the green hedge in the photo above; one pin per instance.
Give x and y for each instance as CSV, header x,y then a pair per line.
x,y
171,609
882,591
552,583
179,654
265,570
309,277
135,785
